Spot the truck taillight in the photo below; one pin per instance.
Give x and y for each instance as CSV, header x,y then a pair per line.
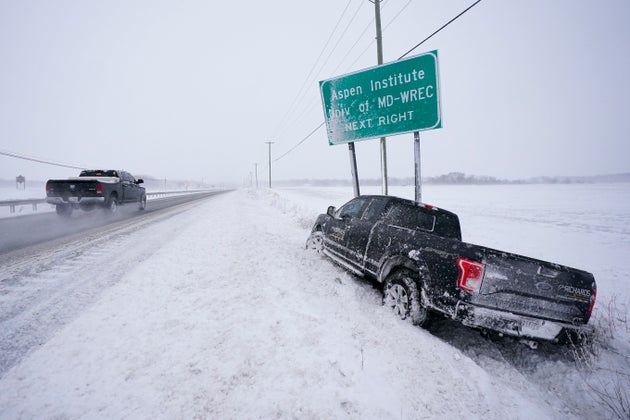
x,y
99,188
470,275
48,187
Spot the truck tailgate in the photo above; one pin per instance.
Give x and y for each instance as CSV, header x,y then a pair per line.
x,y
71,188
531,287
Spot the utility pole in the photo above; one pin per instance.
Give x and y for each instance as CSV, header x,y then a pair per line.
x,y
256,172
269,143
379,57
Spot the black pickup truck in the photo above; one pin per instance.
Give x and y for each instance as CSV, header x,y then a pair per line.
x,y
416,251
95,188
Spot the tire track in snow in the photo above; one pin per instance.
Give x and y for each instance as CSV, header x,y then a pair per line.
x,y
44,287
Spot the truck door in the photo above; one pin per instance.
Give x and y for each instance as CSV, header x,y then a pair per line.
x,y
337,229
130,189
360,229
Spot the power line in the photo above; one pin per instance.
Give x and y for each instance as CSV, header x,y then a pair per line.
x,y
442,27
300,100
317,74
339,65
302,94
367,48
400,58
44,161
397,14
340,38
368,26
299,94
300,142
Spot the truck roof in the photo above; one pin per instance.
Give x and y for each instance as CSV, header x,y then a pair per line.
x,y
99,172
446,222
409,202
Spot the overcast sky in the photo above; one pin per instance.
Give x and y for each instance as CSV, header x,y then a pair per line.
x,y
194,89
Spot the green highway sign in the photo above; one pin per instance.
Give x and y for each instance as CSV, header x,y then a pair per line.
x,y
389,99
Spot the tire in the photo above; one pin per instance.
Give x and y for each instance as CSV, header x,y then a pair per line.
x,y
112,205
315,242
401,295
142,204
63,210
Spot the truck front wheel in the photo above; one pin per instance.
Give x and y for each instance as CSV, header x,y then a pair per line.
x,y
142,204
315,242
401,295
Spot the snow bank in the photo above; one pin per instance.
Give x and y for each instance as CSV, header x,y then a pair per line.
x,y
231,318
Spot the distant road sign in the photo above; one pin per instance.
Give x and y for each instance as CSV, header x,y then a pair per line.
x,y
393,98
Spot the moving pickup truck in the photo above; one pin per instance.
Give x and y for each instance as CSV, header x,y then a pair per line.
x,y
95,188
416,251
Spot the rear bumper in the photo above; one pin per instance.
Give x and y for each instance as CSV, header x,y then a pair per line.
x,y
75,200
511,324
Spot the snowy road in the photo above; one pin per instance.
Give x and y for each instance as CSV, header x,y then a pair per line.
x,y
20,232
215,310
34,307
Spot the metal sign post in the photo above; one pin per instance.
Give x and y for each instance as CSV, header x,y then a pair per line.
x,y
353,169
417,169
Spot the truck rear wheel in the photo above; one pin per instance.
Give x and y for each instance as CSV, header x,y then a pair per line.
x,y
402,296
112,205
63,210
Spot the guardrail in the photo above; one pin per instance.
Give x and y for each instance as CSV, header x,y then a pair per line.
x,y
12,204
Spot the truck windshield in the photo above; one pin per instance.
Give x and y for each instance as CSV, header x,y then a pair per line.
x,y
99,173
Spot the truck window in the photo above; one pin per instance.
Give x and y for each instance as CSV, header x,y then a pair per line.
x,y
374,209
410,217
447,225
98,172
126,176
353,208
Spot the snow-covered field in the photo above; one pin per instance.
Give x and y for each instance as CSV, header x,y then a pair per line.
x,y
219,312
32,191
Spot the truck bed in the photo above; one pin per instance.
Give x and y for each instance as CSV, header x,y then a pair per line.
x,y
531,287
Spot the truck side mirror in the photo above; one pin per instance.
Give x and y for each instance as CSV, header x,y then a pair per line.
x,y
331,211
140,181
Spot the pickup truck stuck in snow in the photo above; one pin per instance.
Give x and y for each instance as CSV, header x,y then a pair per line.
x,y
95,188
416,252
